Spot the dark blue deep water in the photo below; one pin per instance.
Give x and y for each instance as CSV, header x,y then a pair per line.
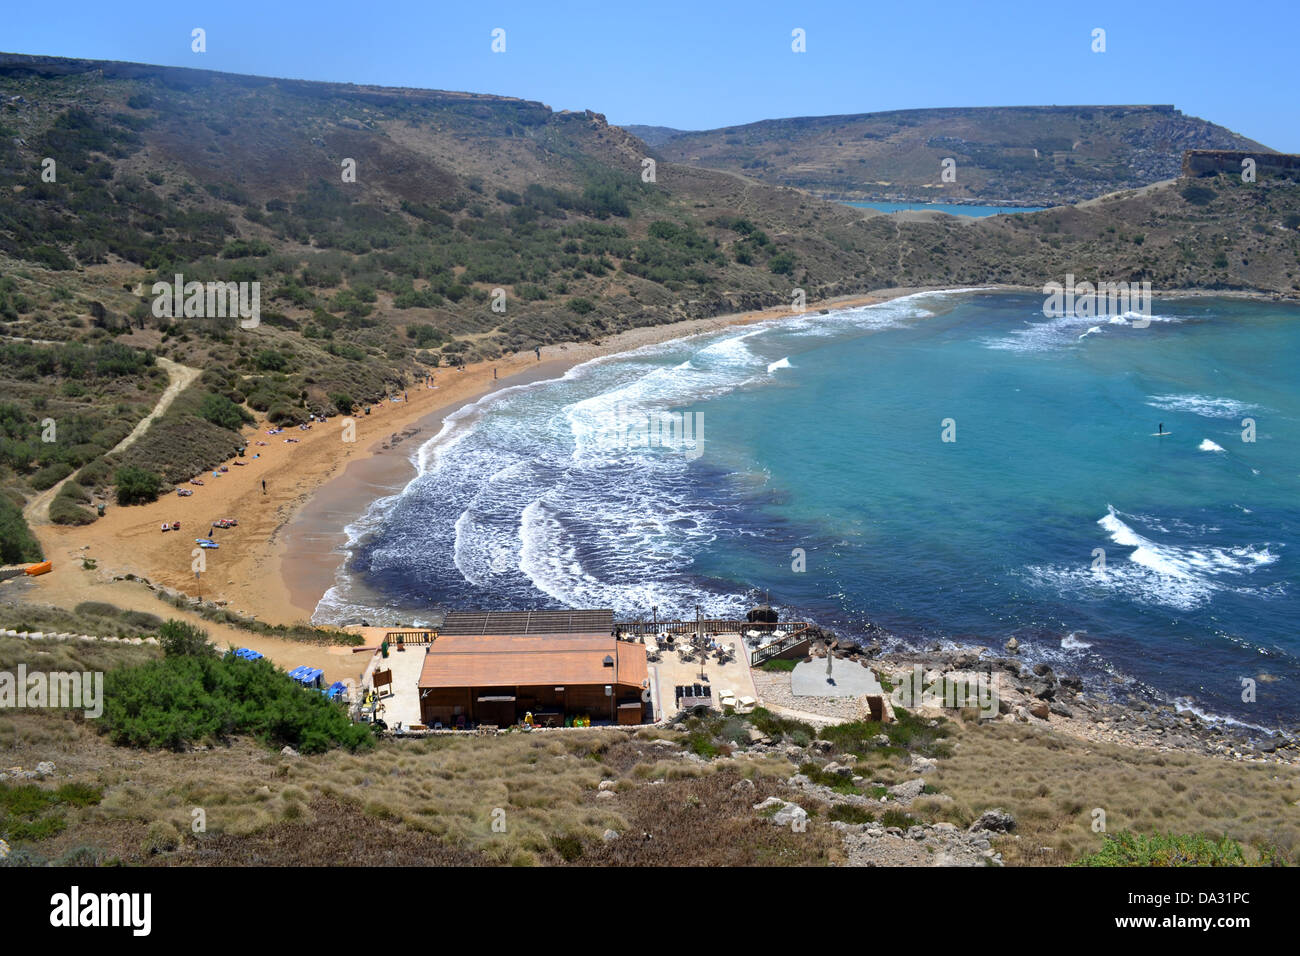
x,y
824,433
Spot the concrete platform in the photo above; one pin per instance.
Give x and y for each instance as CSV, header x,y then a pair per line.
x,y
848,679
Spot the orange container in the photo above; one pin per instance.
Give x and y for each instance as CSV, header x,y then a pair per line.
x,y
43,568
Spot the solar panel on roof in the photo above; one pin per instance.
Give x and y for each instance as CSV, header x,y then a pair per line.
x,y
519,623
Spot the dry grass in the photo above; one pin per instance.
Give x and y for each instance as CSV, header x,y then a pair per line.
x,y
1052,783
72,655
430,802
434,802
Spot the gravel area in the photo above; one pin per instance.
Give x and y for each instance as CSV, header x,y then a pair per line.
x,y
774,688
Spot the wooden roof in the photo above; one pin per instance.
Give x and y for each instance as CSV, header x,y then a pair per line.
x,y
594,622
512,660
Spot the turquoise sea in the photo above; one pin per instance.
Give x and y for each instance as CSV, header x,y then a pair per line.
x,y
1156,566
955,209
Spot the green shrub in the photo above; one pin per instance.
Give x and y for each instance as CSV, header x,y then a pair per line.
x,y
896,818
1198,195
269,360
179,639
30,812
136,485
851,813
65,510
1165,849
782,263
222,412
94,474
50,475
17,543
181,699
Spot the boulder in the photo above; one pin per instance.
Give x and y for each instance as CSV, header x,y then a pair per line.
x,y
1040,709
996,820
907,791
609,836
1013,646
45,768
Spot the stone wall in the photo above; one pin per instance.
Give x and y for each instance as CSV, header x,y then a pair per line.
x,y
1209,162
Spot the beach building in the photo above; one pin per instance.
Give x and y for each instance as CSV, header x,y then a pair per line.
x,y
494,667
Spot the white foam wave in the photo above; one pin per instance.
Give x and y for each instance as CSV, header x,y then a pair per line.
x,y
1154,573
1207,445
1207,406
1057,332
780,363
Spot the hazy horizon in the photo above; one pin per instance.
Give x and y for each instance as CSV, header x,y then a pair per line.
x,y
691,69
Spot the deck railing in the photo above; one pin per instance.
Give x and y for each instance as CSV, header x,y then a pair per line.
x,y
776,648
706,626
411,637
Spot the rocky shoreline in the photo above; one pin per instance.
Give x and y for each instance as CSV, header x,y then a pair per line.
x,y
1037,695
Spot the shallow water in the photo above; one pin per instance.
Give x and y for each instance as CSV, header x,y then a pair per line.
x,y
1159,565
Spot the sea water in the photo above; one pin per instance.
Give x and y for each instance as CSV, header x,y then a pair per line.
x,y
1156,566
953,209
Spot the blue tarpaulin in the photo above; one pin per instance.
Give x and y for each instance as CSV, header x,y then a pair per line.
x,y
307,676
248,654
337,689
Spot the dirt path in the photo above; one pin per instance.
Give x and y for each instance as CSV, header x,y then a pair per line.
x,y
181,377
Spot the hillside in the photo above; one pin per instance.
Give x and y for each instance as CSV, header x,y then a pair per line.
x,y
916,792
1032,155
366,285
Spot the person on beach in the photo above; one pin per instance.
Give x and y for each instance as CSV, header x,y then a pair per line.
x,y
263,486
538,350
494,373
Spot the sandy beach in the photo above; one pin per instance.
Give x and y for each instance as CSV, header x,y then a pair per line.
x,y
283,555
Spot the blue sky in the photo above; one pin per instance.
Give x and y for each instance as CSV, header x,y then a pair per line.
x,y
697,65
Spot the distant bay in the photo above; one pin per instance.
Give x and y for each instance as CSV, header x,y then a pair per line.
x,y
955,209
